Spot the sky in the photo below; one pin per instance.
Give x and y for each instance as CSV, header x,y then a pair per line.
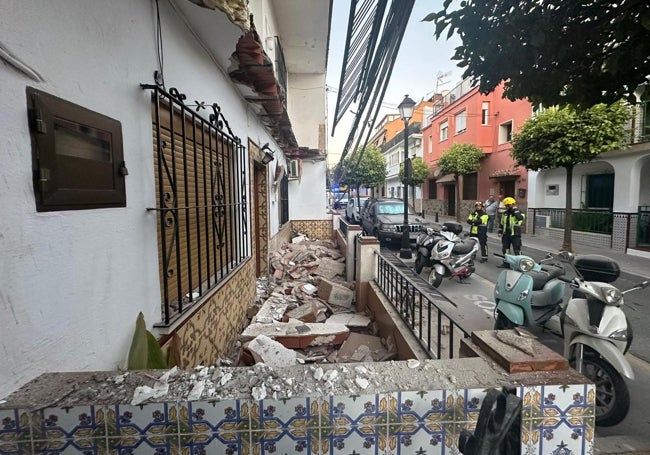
x,y
421,58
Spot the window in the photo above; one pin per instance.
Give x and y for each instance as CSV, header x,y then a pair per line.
x,y
201,202
600,191
505,132
429,144
77,155
444,130
461,122
485,112
470,186
284,201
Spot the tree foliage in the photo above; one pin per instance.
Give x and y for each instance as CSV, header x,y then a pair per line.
x,y
564,137
365,167
419,173
553,52
460,159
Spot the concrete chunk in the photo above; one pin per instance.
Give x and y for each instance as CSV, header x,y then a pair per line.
x,y
271,352
329,269
352,320
335,294
299,335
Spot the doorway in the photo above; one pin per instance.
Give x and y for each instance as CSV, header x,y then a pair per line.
x,y
261,219
450,199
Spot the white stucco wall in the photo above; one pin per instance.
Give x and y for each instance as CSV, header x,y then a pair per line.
x,y
73,282
630,167
307,103
307,191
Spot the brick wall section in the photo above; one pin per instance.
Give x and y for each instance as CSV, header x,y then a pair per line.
x,y
283,236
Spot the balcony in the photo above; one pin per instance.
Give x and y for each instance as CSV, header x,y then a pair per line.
x,y
639,125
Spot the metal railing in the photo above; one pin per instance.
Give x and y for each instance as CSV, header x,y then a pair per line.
x,y
586,220
281,69
421,307
201,200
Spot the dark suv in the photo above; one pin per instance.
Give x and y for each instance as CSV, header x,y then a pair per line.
x,y
384,219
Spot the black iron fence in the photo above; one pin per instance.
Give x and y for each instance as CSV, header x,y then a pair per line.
x,y
586,220
421,307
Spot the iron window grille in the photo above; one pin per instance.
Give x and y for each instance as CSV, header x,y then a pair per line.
x,y
201,200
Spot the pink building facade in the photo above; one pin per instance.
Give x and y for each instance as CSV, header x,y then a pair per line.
x,y
488,121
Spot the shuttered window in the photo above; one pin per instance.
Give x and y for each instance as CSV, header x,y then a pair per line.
x,y
201,204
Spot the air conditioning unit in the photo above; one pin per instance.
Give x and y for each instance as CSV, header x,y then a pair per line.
x,y
294,170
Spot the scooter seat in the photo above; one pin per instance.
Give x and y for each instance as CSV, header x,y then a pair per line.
x,y
464,246
544,276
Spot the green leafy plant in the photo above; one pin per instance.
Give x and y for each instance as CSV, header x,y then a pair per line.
x,y
145,352
460,159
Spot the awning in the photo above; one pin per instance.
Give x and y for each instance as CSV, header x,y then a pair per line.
x,y
505,177
446,179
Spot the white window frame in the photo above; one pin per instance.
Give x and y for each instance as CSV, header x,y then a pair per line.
x,y
461,121
444,131
505,132
485,113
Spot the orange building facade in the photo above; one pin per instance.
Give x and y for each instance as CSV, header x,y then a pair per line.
x,y
465,116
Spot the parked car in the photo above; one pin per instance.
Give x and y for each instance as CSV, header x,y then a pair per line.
x,y
384,219
353,210
340,201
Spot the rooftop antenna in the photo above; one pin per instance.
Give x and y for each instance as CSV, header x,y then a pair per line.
x,y
439,79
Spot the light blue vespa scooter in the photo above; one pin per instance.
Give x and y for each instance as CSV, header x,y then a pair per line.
x,y
528,293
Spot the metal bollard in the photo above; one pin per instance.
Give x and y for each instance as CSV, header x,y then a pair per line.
x,y
436,217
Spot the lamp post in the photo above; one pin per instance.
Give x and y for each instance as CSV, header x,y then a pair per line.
x,y
406,112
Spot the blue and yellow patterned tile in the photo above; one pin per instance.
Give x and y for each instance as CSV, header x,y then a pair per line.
x,y
468,405
144,427
79,422
213,446
361,441
15,431
297,415
356,411
203,417
565,422
64,447
426,442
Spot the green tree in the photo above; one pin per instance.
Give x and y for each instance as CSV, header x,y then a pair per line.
x,y
564,137
553,52
365,167
460,159
419,173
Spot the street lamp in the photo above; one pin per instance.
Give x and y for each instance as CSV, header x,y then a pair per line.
x,y
406,112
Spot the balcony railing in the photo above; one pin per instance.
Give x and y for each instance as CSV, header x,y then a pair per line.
x,y
281,69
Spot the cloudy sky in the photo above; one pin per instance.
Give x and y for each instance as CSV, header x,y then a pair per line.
x,y
420,59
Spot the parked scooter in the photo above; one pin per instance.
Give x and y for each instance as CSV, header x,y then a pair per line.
x,y
446,253
595,330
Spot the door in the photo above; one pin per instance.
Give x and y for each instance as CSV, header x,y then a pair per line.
x,y
450,198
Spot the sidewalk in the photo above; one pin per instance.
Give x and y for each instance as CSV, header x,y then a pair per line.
x,y
632,264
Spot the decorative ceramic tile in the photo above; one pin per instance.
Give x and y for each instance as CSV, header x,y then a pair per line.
x,y
79,422
222,417
468,405
295,416
562,419
356,411
140,428
15,436
426,442
68,447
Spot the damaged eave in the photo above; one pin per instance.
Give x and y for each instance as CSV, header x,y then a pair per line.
x,y
236,10
255,70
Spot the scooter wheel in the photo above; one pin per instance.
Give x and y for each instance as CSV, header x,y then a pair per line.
x,y
612,394
419,263
435,278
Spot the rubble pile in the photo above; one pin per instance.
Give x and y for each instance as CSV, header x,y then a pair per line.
x,y
305,312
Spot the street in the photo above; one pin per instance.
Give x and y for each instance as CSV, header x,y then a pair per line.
x,y
476,295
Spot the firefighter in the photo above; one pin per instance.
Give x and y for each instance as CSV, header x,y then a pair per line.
x,y
478,221
510,228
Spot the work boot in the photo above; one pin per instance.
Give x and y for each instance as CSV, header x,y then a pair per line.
x,y
503,265
483,259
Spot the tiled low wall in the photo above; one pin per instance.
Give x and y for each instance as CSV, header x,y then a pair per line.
x,y
388,408
314,229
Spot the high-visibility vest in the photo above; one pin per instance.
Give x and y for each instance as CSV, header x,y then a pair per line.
x,y
511,222
477,221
